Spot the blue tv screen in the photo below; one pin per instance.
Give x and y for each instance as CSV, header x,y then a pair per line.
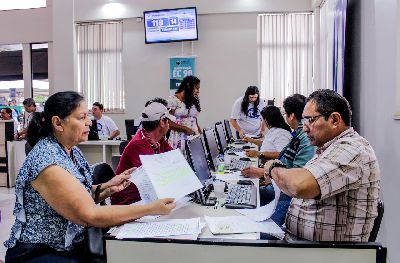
x,y
170,25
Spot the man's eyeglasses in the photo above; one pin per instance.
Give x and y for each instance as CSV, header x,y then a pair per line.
x,y
309,120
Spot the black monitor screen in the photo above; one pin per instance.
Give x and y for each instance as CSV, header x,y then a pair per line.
x,y
219,128
212,145
198,158
228,130
93,134
130,128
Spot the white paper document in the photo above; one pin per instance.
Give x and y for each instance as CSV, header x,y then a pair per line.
x,y
235,176
172,227
142,181
231,225
170,174
264,212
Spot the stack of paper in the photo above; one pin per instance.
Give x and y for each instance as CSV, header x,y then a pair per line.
x,y
167,228
231,225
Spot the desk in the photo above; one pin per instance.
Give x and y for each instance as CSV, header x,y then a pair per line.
x,y
99,151
16,157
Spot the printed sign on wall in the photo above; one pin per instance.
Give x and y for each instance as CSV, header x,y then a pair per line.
x,y
180,67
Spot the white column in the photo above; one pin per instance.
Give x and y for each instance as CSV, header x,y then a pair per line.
x,y
27,70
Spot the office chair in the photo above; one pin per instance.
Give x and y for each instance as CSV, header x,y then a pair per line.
x,y
28,148
271,102
122,146
130,128
115,161
377,222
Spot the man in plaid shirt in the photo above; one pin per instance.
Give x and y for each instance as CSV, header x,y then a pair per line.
x,y
336,193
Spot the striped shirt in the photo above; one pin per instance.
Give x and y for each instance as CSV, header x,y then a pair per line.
x,y
348,175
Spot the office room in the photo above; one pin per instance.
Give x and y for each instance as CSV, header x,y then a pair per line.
x,y
227,62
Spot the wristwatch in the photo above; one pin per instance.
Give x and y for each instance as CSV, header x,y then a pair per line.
x,y
273,165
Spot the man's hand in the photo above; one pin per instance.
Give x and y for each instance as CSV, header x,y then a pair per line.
x,y
253,172
253,153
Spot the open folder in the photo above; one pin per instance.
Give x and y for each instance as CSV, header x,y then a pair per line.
x,y
165,175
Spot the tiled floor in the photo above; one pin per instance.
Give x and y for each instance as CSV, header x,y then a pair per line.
x,y
7,200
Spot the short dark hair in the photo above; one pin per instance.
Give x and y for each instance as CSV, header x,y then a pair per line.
x,y
157,99
8,110
295,104
273,117
328,101
60,104
29,102
98,104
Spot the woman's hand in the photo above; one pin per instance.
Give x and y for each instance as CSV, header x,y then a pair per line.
x,y
162,206
120,182
242,134
253,172
252,153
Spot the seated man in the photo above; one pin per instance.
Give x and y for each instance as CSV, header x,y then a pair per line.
x,y
106,127
150,139
294,155
336,193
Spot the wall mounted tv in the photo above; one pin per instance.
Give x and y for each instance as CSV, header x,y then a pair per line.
x,y
170,25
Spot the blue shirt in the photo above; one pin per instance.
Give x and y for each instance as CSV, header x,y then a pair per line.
x,y
35,220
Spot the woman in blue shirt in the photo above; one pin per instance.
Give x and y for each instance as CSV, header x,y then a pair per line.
x,y
55,198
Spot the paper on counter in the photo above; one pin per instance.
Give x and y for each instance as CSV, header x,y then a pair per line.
x,y
235,176
172,227
231,225
264,212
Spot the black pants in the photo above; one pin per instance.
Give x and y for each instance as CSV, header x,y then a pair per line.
x,y
30,252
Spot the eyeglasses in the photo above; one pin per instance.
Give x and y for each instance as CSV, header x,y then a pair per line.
x,y
309,120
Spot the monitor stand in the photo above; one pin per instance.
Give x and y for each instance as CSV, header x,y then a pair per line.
x,y
202,196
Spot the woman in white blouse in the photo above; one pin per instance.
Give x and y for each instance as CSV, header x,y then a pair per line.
x,y
277,137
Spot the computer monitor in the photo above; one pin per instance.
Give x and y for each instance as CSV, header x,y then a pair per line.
x,y
93,133
229,135
197,158
130,128
221,137
211,146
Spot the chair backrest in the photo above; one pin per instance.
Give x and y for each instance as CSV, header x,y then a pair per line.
x,y
130,128
115,161
102,172
271,102
122,146
377,222
28,148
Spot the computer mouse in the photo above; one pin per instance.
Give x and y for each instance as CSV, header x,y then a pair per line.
x,y
245,182
245,159
246,147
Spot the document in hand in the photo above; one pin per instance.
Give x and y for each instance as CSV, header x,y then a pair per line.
x,y
165,175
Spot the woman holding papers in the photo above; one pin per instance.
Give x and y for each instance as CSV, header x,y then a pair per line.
x,y
55,198
185,106
245,117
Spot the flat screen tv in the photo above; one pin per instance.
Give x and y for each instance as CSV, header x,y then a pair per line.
x,y
170,25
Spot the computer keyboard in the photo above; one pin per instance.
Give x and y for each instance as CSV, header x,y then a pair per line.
x,y
237,164
234,150
241,196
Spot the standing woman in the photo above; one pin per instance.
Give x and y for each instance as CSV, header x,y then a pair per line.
x,y
185,106
246,117
55,198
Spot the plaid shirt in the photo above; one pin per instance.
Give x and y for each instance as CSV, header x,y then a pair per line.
x,y
348,175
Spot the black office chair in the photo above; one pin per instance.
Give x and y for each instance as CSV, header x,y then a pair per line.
x,y
130,128
271,102
122,146
377,222
28,148
102,173
115,161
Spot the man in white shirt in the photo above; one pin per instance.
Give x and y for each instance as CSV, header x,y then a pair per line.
x,y
30,107
246,114
106,127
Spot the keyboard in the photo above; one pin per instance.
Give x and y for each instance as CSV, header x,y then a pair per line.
x,y
237,164
241,196
234,150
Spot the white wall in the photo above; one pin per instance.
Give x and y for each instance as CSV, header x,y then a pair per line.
x,y
376,69
226,64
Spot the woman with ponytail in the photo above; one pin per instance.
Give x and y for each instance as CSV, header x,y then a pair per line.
x,y
55,197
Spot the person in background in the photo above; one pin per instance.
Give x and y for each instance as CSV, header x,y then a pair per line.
x,y
150,139
106,127
294,155
336,194
276,138
6,114
55,197
246,117
15,112
30,107
185,106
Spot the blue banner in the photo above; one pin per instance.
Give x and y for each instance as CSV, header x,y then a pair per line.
x,y
180,67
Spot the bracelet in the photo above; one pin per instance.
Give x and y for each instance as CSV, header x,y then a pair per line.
x,y
273,165
97,192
